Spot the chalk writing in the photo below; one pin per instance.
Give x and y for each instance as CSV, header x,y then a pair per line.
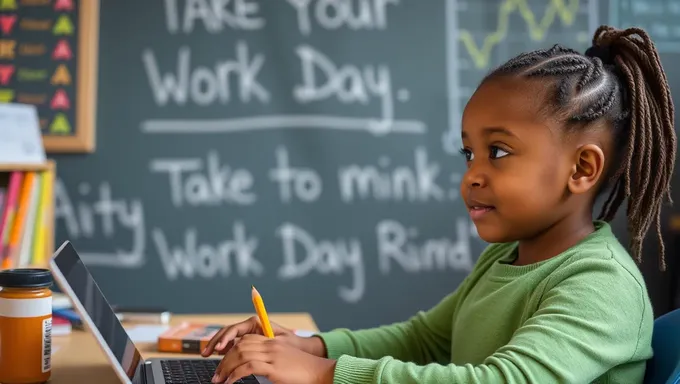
x,y
399,244
347,83
193,259
400,183
240,79
194,181
237,79
303,183
303,254
277,122
335,14
204,85
97,214
214,15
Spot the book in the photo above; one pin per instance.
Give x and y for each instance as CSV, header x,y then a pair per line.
x,y
23,254
61,301
12,248
60,326
72,316
187,337
14,188
3,194
26,216
42,222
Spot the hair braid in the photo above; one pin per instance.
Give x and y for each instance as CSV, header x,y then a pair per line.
x,y
619,79
652,143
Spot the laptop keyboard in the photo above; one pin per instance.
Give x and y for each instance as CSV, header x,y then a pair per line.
x,y
195,371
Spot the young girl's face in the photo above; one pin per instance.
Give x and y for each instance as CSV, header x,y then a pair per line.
x,y
518,164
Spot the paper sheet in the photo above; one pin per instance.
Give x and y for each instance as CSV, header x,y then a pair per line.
x,y
304,333
20,136
146,333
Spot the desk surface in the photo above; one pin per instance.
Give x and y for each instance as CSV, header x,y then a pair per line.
x,y
79,359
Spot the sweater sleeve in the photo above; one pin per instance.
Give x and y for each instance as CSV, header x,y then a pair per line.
x,y
585,325
424,338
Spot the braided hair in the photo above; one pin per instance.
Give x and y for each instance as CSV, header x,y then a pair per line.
x,y
620,81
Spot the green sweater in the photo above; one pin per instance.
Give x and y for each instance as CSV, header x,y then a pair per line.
x,y
582,316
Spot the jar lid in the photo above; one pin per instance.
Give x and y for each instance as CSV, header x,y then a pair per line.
x,y
26,278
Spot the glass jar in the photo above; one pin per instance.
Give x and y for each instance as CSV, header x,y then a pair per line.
x,y
25,325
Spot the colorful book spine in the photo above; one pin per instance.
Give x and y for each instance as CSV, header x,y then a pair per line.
x,y
3,197
42,223
26,212
9,212
26,242
11,252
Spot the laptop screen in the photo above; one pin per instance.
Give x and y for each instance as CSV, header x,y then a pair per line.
x,y
90,297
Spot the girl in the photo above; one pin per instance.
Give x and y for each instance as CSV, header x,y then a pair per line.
x,y
555,298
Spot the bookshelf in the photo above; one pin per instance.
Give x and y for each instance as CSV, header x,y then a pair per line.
x,y
27,237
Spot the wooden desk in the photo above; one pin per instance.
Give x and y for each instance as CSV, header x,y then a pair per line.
x,y
79,359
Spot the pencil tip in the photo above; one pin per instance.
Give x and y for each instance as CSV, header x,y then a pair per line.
x,y
252,286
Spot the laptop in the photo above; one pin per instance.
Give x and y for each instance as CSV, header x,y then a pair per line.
x,y
75,280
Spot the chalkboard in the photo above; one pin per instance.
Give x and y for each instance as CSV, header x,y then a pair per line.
x,y
308,147
48,59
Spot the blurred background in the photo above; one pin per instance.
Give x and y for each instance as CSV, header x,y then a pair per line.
x,y
308,147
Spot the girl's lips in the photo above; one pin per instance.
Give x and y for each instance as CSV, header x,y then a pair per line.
x,y
478,212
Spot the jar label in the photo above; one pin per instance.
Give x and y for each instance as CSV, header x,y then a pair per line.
x,y
26,307
47,345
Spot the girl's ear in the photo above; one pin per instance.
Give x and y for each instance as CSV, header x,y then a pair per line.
x,y
587,169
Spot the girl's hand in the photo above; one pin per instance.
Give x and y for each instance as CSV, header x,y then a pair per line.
x,y
223,340
274,359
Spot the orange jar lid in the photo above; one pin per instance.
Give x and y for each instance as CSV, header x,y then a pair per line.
x,y
26,278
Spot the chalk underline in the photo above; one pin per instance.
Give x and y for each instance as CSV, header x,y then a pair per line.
x,y
274,122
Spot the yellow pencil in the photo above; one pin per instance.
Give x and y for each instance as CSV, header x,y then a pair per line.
x,y
262,313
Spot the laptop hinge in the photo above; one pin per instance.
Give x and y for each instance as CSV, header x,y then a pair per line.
x,y
145,371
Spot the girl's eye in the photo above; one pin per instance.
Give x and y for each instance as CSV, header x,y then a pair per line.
x,y
496,153
467,153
